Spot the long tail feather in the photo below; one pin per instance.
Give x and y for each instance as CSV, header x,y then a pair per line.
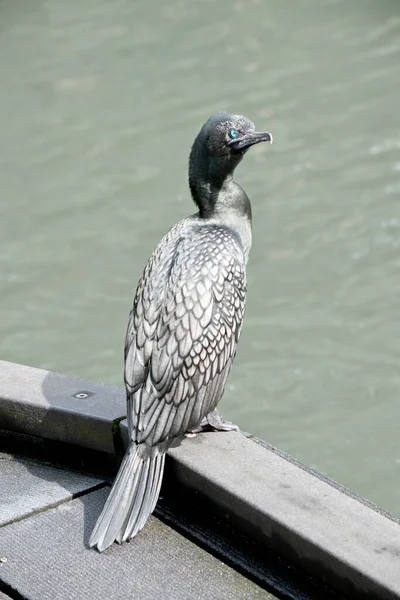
x,y
132,499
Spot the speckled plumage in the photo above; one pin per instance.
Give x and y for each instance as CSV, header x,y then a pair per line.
x,y
184,325
183,331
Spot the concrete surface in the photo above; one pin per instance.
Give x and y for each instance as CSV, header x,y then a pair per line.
x,y
60,407
28,487
48,559
332,535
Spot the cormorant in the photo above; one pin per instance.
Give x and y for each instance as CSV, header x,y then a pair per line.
x,y
184,325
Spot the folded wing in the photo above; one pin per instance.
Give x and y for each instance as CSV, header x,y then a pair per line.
x,y
182,335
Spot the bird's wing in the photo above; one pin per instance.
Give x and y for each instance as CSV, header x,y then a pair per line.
x,y
182,338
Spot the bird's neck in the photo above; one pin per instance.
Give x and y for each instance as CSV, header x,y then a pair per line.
x,y
211,183
216,193
224,202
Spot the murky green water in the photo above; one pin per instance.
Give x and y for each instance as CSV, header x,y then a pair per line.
x,y
99,104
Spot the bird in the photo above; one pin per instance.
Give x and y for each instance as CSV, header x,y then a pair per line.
x,y
184,326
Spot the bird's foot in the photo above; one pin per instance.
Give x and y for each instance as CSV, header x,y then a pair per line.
x,y
212,422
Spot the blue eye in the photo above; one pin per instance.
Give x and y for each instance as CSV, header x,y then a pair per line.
x,y
233,133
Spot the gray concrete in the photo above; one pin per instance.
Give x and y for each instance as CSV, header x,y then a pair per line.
x,y
320,528
3,596
331,534
28,487
328,533
48,559
46,404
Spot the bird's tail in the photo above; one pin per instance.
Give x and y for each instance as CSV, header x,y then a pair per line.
x,y
132,499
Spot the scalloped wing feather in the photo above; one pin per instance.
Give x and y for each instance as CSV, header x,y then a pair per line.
x,y
183,331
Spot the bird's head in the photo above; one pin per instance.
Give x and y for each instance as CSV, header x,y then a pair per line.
x,y
222,142
228,136
217,150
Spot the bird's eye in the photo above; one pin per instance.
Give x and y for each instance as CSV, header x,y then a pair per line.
x,y
233,133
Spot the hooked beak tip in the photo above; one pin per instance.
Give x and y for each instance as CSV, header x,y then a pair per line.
x,y
250,139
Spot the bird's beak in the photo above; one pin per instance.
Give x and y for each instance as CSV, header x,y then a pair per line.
x,y
249,139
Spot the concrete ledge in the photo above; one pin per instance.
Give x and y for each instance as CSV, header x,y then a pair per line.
x,y
59,407
330,534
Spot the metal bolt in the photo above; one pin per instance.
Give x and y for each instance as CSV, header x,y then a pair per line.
x,y
82,395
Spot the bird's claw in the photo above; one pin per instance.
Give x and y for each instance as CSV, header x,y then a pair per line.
x,y
212,422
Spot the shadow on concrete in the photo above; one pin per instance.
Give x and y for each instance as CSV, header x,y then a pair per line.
x,y
66,411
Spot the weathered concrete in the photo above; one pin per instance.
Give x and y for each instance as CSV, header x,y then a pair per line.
x,y
354,548
323,530
28,487
319,527
48,559
45,404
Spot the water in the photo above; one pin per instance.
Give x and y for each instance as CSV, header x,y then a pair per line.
x,y
99,104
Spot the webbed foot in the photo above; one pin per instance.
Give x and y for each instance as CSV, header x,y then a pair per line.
x,y
213,422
